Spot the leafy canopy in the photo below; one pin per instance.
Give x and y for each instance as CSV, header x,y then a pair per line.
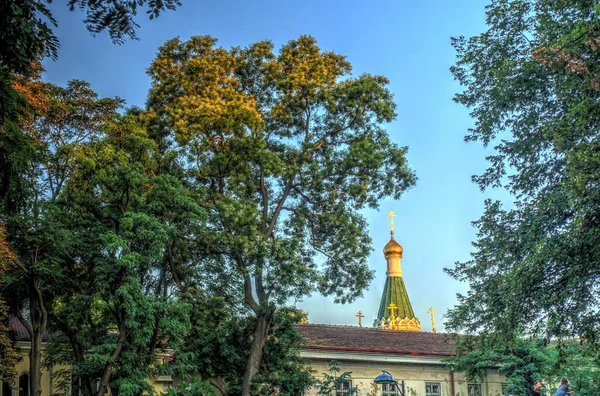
x,y
532,84
283,150
27,26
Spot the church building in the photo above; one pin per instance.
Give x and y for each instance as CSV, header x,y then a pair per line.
x,y
396,344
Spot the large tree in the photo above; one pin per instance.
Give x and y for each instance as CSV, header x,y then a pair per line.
x,y
116,306
532,82
47,136
283,150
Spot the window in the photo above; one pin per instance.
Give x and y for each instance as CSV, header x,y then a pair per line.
x,y
433,389
6,389
24,384
474,390
389,389
344,388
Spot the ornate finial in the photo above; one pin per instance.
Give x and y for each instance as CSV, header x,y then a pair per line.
x,y
392,307
359,315
391,216
432,313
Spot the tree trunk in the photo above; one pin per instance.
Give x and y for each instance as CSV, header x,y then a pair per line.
x,y
86,381
107,372
35,365
219,385
263,325
37,328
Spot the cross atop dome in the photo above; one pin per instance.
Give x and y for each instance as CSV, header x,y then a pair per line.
x,y
391,215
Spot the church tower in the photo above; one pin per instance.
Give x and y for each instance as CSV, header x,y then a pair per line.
x,y
395,311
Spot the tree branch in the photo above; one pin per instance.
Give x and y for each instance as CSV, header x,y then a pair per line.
x,y
280,204
265,197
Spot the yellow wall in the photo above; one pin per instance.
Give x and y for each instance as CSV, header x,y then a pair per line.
x,y
414,375
159,383
363,374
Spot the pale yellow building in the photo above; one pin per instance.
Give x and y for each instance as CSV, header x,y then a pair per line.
x,y
413,357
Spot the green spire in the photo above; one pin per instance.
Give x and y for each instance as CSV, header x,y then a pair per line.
x,y
395,311
394,291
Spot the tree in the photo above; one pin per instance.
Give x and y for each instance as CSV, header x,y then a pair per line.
x,y
521,361
25,35
576,361
524,361
283,151
16,151
27,25
532,83
332,381
218,343
117,308
58,123
194,388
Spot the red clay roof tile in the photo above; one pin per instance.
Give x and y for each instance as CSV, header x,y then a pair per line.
x,y
366,339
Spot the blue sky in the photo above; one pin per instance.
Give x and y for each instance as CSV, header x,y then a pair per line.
x,y
406,41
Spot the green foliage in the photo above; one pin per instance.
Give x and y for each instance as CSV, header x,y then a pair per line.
x,y
521,361
263,138
532,84
16,148
576,361
332,381
189,225
218,343
27,34
283,372
283,151
118,18
196,387
524,361
9,356
116,304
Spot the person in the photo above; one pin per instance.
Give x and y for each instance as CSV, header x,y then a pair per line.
x,y
535,390
563,388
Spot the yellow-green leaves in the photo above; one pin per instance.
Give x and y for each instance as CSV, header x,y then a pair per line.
x,y
195,87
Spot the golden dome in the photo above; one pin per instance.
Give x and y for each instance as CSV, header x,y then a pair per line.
x,y
392,248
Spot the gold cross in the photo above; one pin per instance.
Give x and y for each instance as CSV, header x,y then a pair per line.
x,y
359,315
432,313
392,307
391,215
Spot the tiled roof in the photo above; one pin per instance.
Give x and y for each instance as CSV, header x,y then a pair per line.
x,y
19,332
367,339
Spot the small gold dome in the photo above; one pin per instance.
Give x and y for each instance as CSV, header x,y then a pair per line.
x,y
392,248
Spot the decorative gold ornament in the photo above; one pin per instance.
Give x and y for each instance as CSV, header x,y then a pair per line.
x,y
403,324
391,216
359,315
432,313
393,248
392,307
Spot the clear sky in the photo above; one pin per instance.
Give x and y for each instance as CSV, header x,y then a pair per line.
x,y
406,41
